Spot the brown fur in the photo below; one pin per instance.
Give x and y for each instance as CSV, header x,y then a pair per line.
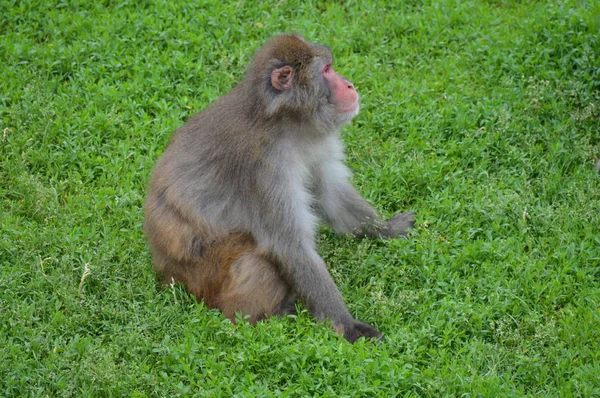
x,y
231,275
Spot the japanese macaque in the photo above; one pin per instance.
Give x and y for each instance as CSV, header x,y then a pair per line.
x,y
234,200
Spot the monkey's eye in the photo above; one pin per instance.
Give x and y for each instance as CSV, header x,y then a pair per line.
x,y
327,68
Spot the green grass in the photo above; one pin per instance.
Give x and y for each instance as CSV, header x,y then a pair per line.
x,y
481,116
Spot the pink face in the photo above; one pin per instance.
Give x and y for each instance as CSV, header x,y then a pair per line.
x,y
344,96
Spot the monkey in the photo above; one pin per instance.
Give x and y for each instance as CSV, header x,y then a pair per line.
x,y
234,200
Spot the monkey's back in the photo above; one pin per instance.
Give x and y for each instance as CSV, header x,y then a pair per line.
x,y
209,168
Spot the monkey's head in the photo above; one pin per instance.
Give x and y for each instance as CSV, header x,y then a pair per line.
x,y
295,77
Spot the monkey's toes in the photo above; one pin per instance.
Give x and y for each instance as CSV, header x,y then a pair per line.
x,y
360,329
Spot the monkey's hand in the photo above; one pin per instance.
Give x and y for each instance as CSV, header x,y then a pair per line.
x,y
399,225
356,330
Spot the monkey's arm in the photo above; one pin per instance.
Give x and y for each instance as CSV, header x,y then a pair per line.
x,y
286,231
347,212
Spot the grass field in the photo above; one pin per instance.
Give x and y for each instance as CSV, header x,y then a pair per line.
x,y
483,117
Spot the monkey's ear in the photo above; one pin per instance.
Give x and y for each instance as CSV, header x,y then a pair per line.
x,y
281,78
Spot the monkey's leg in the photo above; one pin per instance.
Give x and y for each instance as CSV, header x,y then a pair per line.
x,y
254,288
200,277
229,275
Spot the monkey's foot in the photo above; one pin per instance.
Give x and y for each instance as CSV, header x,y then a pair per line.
x,y
357,330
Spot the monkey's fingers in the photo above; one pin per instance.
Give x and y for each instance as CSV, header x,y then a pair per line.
x,y
399,225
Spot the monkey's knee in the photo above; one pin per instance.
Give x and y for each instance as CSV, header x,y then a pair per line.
x,y
255,289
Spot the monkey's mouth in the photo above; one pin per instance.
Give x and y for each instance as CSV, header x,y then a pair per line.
x,y
348,109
